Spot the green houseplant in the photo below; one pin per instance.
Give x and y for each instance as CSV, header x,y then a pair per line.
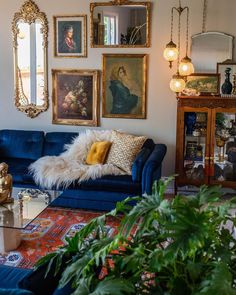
x,y
181,246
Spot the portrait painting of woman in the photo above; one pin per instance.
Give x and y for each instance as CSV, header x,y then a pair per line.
x,y
67,44
124,85
70,36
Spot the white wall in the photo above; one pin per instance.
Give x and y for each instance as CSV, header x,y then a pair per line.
x,y
161,104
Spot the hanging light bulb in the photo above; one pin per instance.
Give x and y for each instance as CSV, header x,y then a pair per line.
x,y
171,52
186,67
177,83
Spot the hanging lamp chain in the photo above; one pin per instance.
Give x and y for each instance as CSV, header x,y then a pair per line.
x,y
179,30
204,18
187,31
172,24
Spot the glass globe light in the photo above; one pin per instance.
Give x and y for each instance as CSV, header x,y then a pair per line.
x,y
171,52
186,67
177,83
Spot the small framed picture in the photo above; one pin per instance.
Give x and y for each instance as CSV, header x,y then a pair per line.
x,y
75,97
70,36
124,86
227,72
202,84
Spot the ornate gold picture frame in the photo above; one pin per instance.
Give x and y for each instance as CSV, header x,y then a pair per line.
x,y
124,86
130,31
75,97
30,35
70,36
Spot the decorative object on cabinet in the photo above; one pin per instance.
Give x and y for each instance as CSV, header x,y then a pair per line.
x,y
124,85
70,36
30,44
106,19
208,48
222,137
202,147
75,97
227,71
203,83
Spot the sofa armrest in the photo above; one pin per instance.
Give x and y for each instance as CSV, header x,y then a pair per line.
x,y
152,168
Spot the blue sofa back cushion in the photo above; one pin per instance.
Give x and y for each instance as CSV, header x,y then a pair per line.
x,y
54,143
21,144
149,143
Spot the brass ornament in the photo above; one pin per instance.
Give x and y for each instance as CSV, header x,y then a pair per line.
x,y
5,184
29,13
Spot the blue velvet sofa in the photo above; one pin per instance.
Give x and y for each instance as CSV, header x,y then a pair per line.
x,y
19,148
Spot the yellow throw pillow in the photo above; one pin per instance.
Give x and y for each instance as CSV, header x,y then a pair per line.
x,y
98,152
124,149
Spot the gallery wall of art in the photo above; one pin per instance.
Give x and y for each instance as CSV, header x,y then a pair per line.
x,y
160,122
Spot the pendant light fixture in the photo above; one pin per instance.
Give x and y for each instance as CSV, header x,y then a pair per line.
x,y
186,67
172,52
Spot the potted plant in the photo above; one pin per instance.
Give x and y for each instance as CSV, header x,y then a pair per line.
x,y
180,246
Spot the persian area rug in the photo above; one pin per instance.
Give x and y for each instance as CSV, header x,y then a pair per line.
x,y
47,232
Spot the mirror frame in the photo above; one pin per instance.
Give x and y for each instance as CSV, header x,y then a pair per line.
x,y
120,3
29,13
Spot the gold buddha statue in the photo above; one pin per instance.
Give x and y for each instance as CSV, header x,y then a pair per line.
x,y
5,184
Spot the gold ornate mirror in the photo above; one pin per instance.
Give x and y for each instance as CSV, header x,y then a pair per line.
x,y
30,43
120,23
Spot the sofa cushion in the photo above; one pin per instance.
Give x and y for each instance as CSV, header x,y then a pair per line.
x,y
54,143
98,152
11,276
21,144
124,150
113,183
18,168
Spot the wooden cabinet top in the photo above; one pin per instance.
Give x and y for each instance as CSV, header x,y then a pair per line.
x,y
207,101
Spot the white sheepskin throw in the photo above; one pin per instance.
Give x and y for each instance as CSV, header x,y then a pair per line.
x,y
70,166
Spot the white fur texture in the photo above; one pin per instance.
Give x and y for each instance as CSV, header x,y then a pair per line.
x,y
70,166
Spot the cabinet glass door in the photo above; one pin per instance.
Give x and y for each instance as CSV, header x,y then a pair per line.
x,y
195,148
224,147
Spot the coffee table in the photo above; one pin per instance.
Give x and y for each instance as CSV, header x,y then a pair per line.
x,y
26,206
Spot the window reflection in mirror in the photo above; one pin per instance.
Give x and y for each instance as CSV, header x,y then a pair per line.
x,y
120,25
30,63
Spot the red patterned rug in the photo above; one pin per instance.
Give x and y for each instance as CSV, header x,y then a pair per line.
x,y
46,233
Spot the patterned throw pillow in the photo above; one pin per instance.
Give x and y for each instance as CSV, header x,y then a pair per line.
x,y
124,149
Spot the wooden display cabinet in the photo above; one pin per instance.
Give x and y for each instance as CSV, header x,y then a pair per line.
x,y
206,141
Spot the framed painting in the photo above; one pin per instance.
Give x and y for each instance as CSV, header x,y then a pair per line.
x,y
75,97
70,36
124,86
227,72
202,84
